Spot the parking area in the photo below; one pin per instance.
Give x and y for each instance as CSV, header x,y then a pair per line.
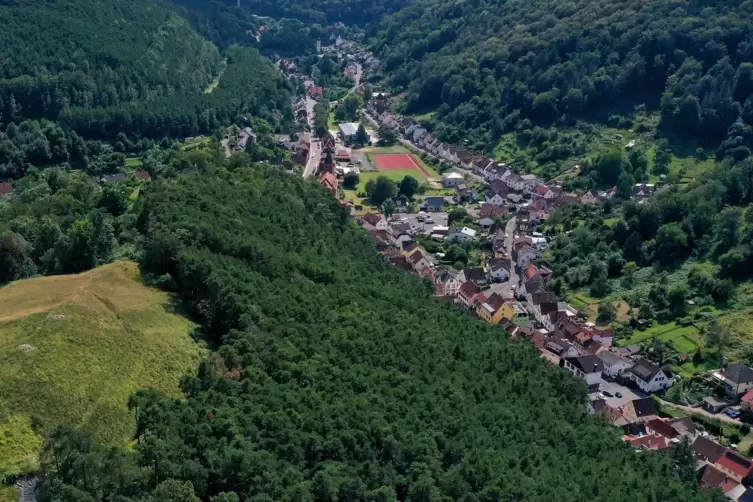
x,y
439,220
365,164
503,289
613,388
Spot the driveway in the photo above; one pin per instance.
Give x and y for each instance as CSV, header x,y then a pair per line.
x,y
365,165
613,388
503,289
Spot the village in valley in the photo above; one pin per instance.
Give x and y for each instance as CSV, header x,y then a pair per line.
x,y
476,229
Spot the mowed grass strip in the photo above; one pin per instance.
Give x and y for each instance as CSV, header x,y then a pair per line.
x,y
396,175
74,348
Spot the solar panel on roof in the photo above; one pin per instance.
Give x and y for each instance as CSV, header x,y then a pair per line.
x,y
738,459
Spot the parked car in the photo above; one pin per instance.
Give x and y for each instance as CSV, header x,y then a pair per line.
x,y
429,220
420,217
607,393
732,412
618,394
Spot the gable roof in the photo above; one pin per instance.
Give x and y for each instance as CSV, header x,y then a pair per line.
x,y
372,218
497,264
434,200
587,364
474,274
6,188
650,442
416,257
490,210
494,302
469,289
542,189
683,426
736,463
708,449
738,373
643,407
644,369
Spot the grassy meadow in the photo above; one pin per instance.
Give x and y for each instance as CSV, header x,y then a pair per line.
x,y
74,348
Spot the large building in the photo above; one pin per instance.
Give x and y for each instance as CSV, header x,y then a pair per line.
x,y
348,131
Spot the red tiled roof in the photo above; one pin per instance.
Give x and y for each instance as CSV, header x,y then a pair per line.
x,y
651,442
142,175
736,463
748,398
662,428
542,190
469,289
6,188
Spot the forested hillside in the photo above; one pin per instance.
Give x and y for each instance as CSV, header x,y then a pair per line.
x,y
338,377
484,66
137,68
323,12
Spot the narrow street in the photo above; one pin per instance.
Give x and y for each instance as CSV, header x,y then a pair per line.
x,y
509,241
315,154
698,411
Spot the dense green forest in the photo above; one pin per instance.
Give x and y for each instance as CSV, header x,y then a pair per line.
x,y
337,377
490,67
136,68
322,12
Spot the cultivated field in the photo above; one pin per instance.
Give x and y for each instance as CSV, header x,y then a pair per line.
x,y
74,348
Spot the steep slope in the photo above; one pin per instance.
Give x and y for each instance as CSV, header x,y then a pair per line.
x,y
74,348
138,67
484,65
339,377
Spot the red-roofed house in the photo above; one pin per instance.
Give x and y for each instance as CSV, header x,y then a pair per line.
x,y
316,92
746,401
419,261
376,220
649,442
329,182
734,465
468,293
142,175
6,189
544,192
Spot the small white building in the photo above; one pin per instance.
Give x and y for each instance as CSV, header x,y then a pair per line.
x,y
451,179
614,364
377,221
462,235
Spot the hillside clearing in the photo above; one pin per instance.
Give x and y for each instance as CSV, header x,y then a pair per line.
x,y
74,348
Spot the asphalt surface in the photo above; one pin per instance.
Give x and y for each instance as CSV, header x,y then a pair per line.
x,y
613,388
509,241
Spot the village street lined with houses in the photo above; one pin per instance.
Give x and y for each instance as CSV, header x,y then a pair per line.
x,y
477,232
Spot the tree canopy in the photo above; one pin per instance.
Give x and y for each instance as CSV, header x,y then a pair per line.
x,y
337,376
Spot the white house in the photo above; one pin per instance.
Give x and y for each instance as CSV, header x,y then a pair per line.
x,y
463,235
497,172
401,239
737,379
499,270
450,283
587,367
377,221
515,182
419,261
614,364
451,179
524,255
497,199
418,134
468,293
648,376
539,243
544,192
489,213
529,182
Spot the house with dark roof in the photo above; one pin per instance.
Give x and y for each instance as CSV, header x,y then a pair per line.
x,y
418,260
736,379
475,274
376,220
499,269
707,450
640,410
490,308
648,376
433,204
586,367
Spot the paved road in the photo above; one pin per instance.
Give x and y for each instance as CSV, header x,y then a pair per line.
x,y
509,241
315,155
310,104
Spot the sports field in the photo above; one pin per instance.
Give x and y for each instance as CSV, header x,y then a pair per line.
x,y
400,161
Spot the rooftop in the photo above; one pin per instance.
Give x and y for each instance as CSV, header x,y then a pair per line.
x,y
348,128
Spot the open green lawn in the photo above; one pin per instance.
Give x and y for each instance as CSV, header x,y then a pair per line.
x,y
133,162
396,175
686,339
74,348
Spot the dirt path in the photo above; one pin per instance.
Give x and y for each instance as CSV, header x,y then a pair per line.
x,y
698,411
